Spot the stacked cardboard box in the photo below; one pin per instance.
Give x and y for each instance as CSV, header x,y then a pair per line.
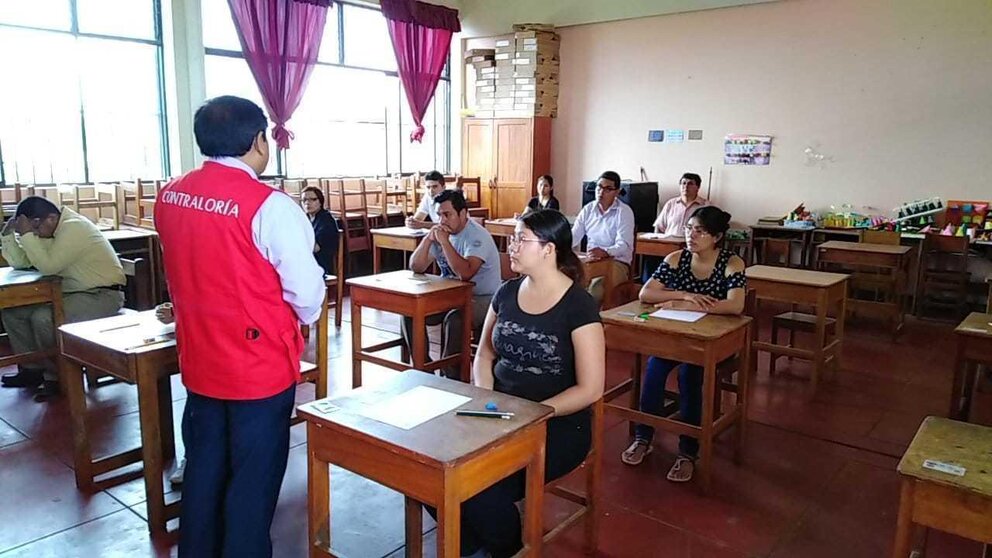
x,y
525,75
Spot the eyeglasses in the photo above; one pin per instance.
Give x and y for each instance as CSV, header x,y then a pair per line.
x,y
610,189
311,199
697,231
516,239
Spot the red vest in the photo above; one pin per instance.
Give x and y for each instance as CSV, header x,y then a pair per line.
x,y
237,338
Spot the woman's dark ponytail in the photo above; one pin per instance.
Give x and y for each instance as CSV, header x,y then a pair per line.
x,y
569,264
551,226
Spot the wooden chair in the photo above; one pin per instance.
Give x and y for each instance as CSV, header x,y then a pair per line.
x,y
943,282
472,188
293,187
891,238
138,290
773,251
335,287
588,501
347,207
381,211
147,194
316,373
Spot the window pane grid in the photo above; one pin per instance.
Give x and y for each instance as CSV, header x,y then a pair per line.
x,y
90,104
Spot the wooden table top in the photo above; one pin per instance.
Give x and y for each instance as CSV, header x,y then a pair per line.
x,y
10,276
127,234
404,232
136,333
709,327
866,247
976,324
586,259
794,276
408,283
780,228
955,443
658,237
444,440
510,221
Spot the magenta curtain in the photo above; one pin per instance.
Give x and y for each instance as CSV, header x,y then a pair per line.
x,y
280,40
421,36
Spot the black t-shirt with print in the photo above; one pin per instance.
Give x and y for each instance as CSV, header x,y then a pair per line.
x,y
535,358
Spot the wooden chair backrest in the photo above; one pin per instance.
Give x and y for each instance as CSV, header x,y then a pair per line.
x,y
945,253
891,238
138,291
774,251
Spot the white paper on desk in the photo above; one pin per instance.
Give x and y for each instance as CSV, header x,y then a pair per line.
x,y
414,407
416,232
679,315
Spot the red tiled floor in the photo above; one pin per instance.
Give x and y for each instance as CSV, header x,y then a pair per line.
x,y
818,476
40,498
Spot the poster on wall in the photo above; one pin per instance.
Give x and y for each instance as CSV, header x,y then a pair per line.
x,y
747,149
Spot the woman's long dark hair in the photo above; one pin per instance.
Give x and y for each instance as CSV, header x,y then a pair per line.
x,y
551,226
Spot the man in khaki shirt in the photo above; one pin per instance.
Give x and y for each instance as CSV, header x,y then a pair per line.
x,y
66,244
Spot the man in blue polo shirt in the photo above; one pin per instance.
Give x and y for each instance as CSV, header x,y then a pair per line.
x,y
464,250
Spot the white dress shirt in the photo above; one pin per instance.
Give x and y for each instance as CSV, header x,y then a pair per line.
x,y
284,237
611,230
429,208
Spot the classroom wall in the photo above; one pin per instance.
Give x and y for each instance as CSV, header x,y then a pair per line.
x,y
896,94
492,17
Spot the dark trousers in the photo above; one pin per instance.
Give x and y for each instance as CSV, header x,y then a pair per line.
x,y
491,520
649,264
236,454
690,399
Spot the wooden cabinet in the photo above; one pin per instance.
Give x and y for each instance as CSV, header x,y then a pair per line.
x,y
508,154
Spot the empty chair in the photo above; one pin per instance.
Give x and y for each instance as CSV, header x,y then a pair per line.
x,y
943,283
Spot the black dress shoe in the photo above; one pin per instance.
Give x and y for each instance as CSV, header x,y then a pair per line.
x,y
47,390
26,378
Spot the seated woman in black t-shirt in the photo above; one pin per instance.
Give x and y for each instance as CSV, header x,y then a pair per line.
x,y
703,278
542,340
545,198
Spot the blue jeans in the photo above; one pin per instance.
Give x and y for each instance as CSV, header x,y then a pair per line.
x,y
690,399
236,453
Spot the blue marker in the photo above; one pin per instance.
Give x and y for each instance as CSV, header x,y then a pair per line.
x,y
491,406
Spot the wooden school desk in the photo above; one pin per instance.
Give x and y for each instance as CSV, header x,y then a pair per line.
x,y
957,504
657,245
24,287
439,463
394,238
799,286
415,296
501,229
974,347
137,349
892,259
707,342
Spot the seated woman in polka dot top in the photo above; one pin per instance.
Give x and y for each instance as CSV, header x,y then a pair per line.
x,y
703,278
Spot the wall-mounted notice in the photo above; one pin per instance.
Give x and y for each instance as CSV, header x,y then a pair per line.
x,y
674,136
747,149
695,135
656,135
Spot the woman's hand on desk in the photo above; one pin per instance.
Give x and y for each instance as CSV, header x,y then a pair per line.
x,y
699,303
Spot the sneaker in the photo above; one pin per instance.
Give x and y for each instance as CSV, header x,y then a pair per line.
x,y
177,476
635,454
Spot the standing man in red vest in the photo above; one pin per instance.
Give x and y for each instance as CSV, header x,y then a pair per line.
x,y
239,263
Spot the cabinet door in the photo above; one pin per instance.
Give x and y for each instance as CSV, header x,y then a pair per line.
x,y
477,155
513,165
